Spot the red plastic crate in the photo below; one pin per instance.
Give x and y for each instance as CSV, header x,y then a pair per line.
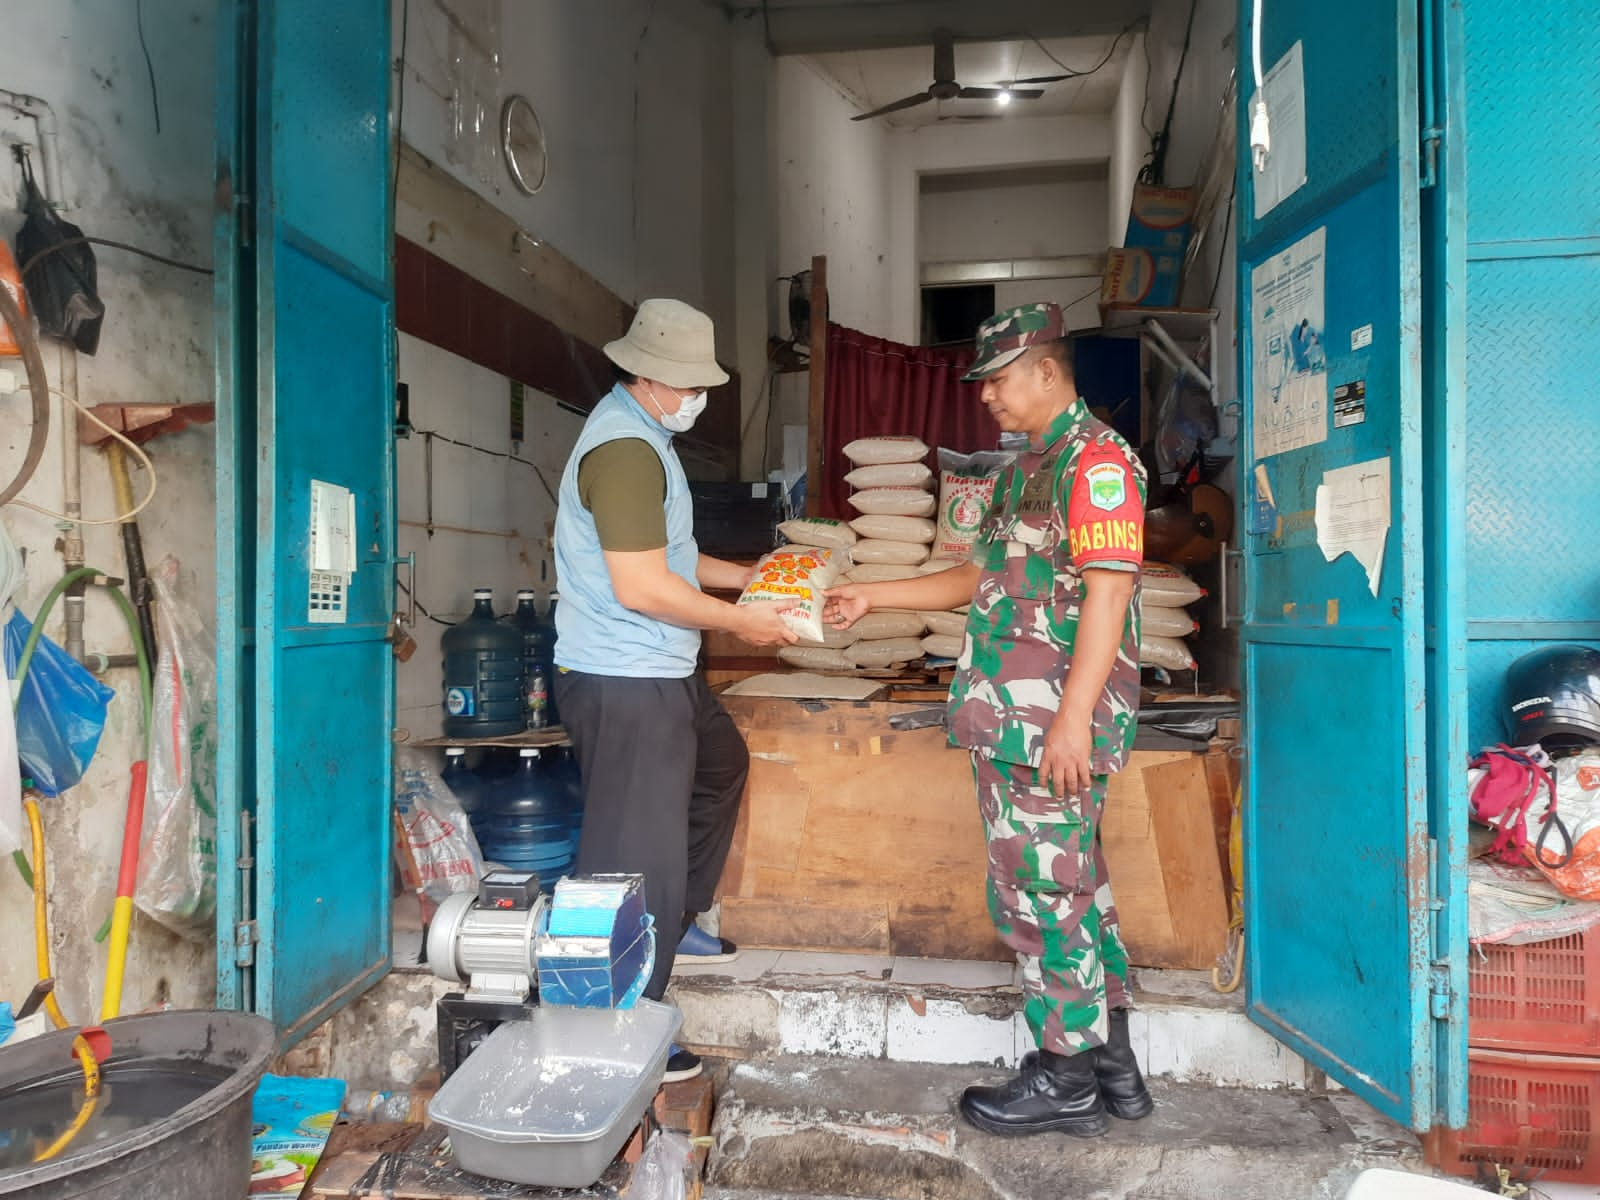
x,y
1538,1115
1541,997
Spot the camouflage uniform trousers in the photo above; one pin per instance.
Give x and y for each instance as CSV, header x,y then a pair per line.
x,y
1050,900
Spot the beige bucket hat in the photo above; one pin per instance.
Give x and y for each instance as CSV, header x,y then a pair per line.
x,y
672,343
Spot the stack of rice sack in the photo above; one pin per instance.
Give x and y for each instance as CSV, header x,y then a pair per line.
x,y
892,488
1165,592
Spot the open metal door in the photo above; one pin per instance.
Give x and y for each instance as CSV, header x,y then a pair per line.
x,y
1350,893
305,498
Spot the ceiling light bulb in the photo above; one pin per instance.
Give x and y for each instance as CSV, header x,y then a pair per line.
x,y
1003,98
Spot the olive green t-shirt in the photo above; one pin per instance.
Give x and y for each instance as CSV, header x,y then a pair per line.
x,y
623,485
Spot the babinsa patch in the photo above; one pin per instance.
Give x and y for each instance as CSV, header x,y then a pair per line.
x,y
1108,485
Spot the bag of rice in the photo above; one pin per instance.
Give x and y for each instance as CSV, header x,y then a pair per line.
x,y
796,576
890,623
1163,585
1156,621
912,474
896,529
893,502
1164,652
879,573
938,645
818,531
886,652
876,550
815,658
934,565
838,639
944,624
878,451
966,485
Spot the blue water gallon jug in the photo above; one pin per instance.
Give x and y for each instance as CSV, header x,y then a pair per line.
x,y
463,784
564,763
482,674
528,825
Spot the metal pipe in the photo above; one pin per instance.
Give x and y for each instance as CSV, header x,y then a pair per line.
x,y
72,552
44,122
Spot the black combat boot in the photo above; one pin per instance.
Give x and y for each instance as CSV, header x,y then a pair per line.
x,y
1121,1085
1050,1092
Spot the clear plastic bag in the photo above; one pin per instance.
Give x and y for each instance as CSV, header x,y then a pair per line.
x,y
442,843
61,714
665,1168
177,883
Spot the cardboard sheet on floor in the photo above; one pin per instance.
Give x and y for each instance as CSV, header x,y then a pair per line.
x,y
802,685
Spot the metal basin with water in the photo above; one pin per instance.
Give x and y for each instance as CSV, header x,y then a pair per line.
x,y
173,1120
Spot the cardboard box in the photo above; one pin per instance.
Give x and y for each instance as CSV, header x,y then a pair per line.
x,y
1147,270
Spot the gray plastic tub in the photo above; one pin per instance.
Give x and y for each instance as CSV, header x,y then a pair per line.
x,y
201,1151
550,1101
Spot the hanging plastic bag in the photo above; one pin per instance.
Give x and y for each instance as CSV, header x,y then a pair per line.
x,y
63,285
178,852
665,1168
61,712
442,842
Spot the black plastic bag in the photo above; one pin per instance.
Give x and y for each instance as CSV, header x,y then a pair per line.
x,y
63,285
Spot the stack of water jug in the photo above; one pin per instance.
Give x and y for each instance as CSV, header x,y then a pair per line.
x,y
525,805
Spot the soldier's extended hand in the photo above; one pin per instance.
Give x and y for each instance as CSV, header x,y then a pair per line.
x,y
847,604
1064,764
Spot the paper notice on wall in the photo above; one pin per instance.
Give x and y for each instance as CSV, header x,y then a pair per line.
x,y
1353,515
1289,394
1285,169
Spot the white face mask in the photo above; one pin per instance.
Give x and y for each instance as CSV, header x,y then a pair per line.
x,y
689,410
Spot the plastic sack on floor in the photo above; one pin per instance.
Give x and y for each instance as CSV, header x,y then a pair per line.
x,y
665,1168
60,714
442,844
178,851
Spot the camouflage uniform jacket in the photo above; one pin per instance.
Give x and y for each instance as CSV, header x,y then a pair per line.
x,y
1075,503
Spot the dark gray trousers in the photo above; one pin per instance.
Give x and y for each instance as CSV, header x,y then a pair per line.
x,y
664,769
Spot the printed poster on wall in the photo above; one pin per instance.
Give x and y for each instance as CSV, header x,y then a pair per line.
x,y
1287,324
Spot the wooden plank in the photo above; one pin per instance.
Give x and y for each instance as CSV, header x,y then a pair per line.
x,y
1133,860
855,836
1180,809
815,421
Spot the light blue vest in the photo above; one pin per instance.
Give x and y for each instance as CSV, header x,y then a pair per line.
x,y
594,633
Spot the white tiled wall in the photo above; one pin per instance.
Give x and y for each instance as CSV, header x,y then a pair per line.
x,y
475,491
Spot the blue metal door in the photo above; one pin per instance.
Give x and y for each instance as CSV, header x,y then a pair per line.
x,y
305,529
1349,884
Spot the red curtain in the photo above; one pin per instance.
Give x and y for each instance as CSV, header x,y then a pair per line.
x,y
876,387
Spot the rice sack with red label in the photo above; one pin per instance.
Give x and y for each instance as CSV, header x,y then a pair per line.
x,y
796,577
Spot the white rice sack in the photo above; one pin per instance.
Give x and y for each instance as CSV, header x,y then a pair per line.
x,y
966,485
893,502
879,573
1166,622
944,624
815,658
896,529
1164,652
938,645
797,576
909,474
879,451
890,623
838,639
934,565
886,652
1162,585
818,531
876,550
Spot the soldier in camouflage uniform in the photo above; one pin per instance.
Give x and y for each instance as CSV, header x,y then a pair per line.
x,y
1045,700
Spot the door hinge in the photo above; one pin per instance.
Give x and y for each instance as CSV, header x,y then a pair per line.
x,y
1441,996
245,937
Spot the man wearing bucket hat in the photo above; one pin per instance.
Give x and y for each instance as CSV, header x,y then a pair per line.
x,y
663,765
1045,700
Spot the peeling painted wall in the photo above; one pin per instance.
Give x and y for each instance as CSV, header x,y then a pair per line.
x,y
122,180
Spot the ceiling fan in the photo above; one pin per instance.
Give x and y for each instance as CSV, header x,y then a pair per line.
x,y
945,87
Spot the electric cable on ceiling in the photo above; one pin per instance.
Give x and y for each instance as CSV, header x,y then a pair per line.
x,y
1156,170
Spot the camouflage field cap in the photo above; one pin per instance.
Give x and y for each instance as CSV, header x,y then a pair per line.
x,y
1004,336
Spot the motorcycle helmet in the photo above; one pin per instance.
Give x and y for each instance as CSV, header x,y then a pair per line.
x,y
1552,697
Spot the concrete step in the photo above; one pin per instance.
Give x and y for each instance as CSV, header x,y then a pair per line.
x,y
770,1002
823,1126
